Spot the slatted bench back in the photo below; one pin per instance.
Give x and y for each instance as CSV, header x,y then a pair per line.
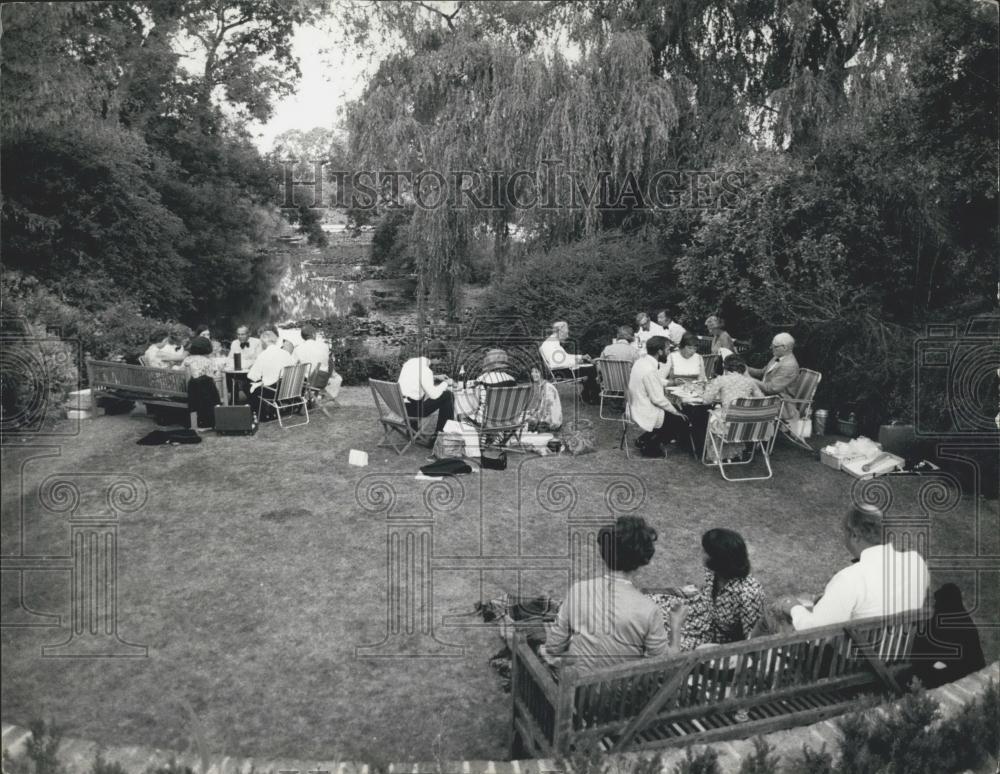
x,y
138,380
740,689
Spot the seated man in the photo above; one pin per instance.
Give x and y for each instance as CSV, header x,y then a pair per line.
x,y
248,348
162,352
496,367
780,375
422,396
266,371
645,329
317,354
564,365
622,347
881,582
606,620
648,404
674,330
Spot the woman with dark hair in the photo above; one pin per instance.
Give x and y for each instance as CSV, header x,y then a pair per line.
x,y
723,390
606,620
728,606
685,364
203,377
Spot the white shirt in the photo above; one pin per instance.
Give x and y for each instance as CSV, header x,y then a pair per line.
x,y
556,356
647,401
268,366
884,582
642,336
316,353
678,365
416,380
247,354
164,357
674,332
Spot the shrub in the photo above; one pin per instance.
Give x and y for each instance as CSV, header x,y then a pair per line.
x,y
810,761
595,285
102,766
706,761
358,309
762,760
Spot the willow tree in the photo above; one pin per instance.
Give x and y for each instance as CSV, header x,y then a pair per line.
x,y
464,102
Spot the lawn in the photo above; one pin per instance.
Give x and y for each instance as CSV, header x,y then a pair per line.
x,y
252,573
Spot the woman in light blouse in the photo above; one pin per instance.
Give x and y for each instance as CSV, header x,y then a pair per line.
x,y
720,337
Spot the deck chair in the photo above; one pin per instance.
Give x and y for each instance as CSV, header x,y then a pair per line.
x,y
748,420
290,394
614,376
799,406
394,419
561,379
503,416
711,362
143,362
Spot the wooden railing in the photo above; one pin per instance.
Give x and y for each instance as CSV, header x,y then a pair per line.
x,y
735,690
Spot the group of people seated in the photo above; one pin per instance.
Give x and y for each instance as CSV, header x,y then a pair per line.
x,y
425,393
252,368
610,619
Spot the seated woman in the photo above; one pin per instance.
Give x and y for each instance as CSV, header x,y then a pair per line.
x,y
606,620
721,340
733,384
203,375
545,408
730,603
685,365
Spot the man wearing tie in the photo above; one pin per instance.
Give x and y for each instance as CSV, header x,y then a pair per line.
x,y
249,349
781,374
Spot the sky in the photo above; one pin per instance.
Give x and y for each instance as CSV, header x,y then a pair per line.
x,y
331,77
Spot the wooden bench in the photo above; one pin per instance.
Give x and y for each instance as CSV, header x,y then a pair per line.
x,y
152,386
734,691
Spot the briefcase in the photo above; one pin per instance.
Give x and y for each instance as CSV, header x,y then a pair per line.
x,y
235,420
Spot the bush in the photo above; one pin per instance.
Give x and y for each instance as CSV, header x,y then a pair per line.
x,y
706,761
594,285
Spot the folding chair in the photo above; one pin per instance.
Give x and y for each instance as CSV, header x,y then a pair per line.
x,y
392,414
562,379
748,420
503,415
290,394
799,407
626,420
711,362
143,362
614,381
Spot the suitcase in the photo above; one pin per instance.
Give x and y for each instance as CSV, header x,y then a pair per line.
x,y
235,420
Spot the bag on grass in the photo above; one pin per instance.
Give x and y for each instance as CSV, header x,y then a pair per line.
x,y
579,437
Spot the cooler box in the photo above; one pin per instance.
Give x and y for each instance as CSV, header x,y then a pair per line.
x,y
235,420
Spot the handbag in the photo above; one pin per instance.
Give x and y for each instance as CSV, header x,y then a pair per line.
x,y
579,437
494,459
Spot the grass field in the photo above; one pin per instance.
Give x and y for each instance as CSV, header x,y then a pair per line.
x,y
252,573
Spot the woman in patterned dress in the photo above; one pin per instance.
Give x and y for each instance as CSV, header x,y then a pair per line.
x,y
730,602
203,378
733,384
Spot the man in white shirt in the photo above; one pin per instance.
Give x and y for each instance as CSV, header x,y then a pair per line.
x,y
649,406
161,353
246,346
267,369
645,329
422,396
317,354
563,364
674,330
881,582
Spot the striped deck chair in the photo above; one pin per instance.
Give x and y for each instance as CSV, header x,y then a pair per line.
x,y
711,363
290,394
748,420
614,376
395,421
503,417
799,406
143,362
